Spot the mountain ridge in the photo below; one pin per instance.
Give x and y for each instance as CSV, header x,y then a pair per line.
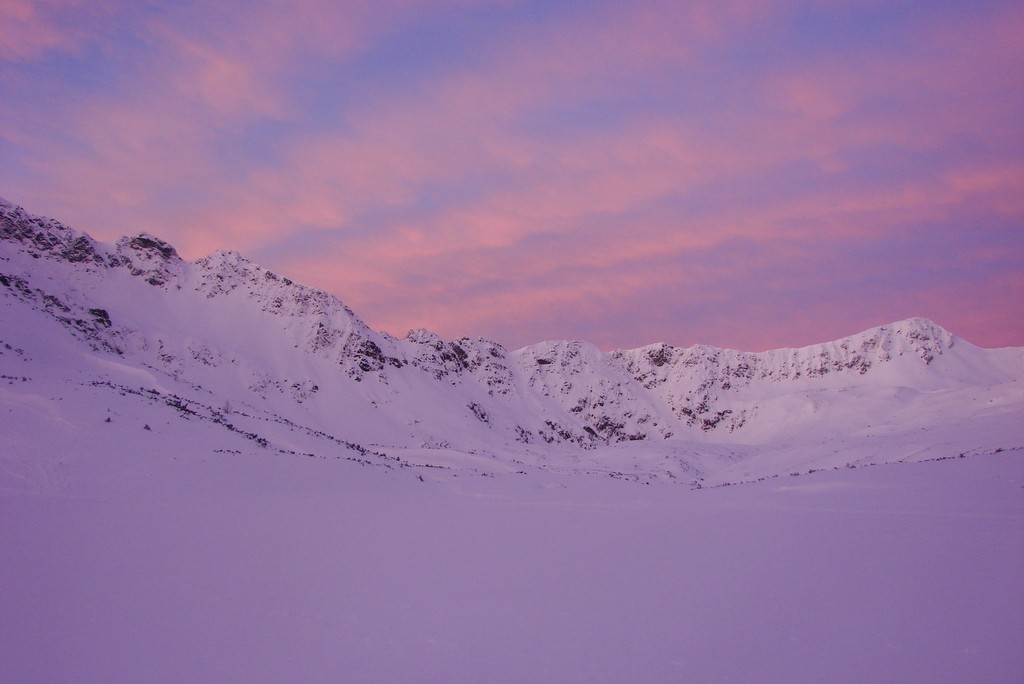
x,y
158,263
234,330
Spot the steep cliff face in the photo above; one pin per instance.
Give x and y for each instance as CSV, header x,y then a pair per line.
x,y
235,332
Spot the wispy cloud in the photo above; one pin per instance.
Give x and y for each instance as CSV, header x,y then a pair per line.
x,y
32,28
706,171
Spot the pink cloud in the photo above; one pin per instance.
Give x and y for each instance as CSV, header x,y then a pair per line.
x,y
609,175
946,66
438,207
589,56
159,133
31,28
238,60
153,138
230,85
1000,185
601,268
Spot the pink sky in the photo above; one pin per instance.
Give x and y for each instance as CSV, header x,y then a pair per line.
x,y
746,174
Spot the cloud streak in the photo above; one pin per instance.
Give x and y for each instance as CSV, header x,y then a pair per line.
x,y
749,174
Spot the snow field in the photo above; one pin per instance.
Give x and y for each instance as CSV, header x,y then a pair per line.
x,y
247,567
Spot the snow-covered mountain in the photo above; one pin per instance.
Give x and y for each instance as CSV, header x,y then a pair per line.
x,y
224,353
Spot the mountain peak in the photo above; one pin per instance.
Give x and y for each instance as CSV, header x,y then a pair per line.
x,y
45,237
149,258
149,244
916,335
226,256
920,328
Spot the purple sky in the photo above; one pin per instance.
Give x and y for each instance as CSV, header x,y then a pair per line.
x,y
745,174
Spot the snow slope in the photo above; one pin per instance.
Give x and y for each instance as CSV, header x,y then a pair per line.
x,y
150,565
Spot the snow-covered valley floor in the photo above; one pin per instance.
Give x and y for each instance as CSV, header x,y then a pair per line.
x,y
253,567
